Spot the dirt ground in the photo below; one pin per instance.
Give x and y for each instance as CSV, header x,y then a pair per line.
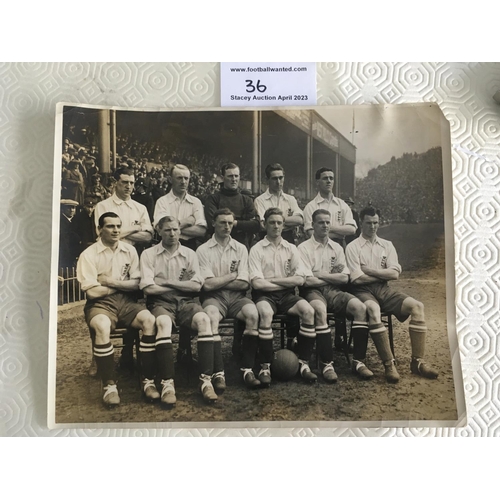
x,y
414,398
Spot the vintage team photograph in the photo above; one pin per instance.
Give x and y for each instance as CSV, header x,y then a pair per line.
x,y
253,267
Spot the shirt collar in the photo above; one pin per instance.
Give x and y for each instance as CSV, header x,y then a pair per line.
x,y
212,242
317,243
283,242
320,199
267,195
101,247
118,201
364,241
171,197
180,250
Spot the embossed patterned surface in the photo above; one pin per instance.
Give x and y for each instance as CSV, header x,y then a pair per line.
x,y
28,95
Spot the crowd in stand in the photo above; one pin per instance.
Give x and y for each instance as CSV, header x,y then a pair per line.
x,y
413,188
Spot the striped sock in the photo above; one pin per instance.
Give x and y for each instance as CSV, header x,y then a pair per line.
x,y
250,344
305,341
324,343
265,345
380,337
418,331
148,356
104,356
165,358
218,362
359,332
205,345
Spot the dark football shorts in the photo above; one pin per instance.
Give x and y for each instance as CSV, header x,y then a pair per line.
x,y
335,300
181,310
229,302
119,307
281,302
390,301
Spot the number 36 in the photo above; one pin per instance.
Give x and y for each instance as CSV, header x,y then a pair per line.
x,y
251,87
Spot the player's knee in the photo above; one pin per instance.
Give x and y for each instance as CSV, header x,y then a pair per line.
x,y
320,313
146,320
417,309
212,313
251,316
163,326
358,310
102,326
265,317
201,323
307,314
372,310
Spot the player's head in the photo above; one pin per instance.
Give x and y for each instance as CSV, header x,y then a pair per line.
x,y
275,174
321,220
223,222
325,180
231,176
370,220
273,222
125,179
110,227
179,178
169,230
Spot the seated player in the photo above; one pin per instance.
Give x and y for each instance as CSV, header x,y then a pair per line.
x,y
328,272
171,280
373,262
109,273
224,266
275,270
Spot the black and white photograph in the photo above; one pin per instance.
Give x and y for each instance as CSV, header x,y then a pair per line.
x,y
253,267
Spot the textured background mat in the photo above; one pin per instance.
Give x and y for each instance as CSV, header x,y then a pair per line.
x,y
28,95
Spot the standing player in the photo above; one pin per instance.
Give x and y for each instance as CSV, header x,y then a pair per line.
x,y
275,197
109,274
184,207
342,221
170,278
373,262
246,224
275,270
137,227
328,272
224,266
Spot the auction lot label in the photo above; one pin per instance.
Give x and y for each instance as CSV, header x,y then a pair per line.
x,y
268,84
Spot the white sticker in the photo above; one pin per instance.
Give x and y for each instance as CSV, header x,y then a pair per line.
x,y
268,84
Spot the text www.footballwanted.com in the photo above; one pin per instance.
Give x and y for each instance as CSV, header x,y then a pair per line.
x,y
267,69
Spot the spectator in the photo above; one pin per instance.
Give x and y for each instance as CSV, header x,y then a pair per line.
x,y
73,186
